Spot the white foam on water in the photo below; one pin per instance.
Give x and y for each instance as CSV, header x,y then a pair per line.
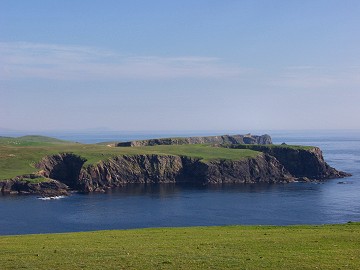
x,y
51,198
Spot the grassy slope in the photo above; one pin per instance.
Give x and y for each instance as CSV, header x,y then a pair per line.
x,y
229,247
41,139
19,155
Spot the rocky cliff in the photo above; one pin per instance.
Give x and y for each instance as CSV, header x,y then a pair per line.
x,y
64,167
27,184
156,169
224,139
273,164
56,176
301,162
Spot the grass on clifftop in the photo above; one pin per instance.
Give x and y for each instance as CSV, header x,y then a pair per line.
x,y
228,247
261,147
19,155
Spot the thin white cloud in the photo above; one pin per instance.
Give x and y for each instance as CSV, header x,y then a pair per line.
x,y
19,60
316,77
60,62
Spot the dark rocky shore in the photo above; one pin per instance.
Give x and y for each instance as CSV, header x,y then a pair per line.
x,y
275,164
21,185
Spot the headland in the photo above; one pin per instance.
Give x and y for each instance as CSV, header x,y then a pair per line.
x,y
51,167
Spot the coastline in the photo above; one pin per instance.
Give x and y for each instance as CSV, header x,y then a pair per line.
x,y
202,160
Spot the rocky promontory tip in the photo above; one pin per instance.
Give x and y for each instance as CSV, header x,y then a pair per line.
x,y
34,184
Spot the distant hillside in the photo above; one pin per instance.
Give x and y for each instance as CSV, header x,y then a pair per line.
x,y
39,138
5,137
31,140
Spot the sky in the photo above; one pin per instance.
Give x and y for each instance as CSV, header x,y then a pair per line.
x,y
179,65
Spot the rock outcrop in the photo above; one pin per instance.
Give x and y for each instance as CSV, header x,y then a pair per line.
x,y
26,185
58,175
64,167
300,162
155,169
262,169
224,139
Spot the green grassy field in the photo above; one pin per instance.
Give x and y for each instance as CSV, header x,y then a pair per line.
x,y
228,247
19,155
273,146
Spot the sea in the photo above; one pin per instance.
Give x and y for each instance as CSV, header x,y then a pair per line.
x,y
170,205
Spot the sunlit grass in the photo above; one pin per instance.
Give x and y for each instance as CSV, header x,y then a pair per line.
x,y
228,247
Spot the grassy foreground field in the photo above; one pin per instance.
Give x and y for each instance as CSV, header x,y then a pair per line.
x,y
19,155
228,247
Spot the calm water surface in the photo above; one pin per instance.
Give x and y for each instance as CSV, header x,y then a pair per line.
x,y
142,206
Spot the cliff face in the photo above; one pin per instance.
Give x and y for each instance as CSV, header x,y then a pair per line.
x,y
299,162
136,169
152,169
57,175
225,139
262,169
64,167
174,169
306,163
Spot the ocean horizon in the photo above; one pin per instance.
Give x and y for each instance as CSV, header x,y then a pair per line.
x,y
97,136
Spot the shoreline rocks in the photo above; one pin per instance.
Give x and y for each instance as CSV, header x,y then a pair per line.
x,y
46,188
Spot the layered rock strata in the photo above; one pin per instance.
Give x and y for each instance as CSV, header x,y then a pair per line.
x,y
299,162
155,169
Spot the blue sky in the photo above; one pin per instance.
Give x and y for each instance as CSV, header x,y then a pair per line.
x,y
179,65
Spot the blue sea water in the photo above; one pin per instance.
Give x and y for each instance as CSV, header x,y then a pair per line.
x,y
140,206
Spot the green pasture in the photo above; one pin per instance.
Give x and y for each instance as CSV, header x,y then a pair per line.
x,y
227,247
